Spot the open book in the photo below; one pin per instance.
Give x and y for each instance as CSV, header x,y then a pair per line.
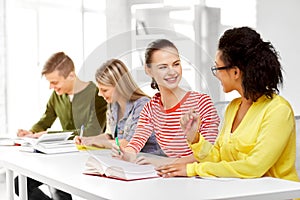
x,y
50,143
105,165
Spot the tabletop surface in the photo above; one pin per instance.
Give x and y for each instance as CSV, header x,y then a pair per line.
x,y
64,171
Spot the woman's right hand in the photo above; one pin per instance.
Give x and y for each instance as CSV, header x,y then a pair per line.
x,y
90,141
123,153
190,123
117,151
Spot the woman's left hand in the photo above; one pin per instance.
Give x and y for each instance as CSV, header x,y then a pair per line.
x,y
166,171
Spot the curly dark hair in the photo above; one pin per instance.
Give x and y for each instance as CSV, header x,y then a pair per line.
x,y
258,61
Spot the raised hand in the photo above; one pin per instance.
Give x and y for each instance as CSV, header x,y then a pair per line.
x,y
190,123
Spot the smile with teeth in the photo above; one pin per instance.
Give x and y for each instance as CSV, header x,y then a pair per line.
x,y
172,79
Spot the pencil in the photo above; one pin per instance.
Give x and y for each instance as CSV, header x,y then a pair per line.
x,y
118,144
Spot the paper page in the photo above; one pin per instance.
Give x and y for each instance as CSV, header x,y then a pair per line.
x,y
57,144
92,166
48,138
125,170
54,137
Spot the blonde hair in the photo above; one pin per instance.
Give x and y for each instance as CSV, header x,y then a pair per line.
x,y
115,73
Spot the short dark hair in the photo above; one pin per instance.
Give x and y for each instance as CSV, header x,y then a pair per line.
x,y
61,62
258,61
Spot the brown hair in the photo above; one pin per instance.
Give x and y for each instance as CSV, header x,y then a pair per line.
x,y
152,47
60,62
115,73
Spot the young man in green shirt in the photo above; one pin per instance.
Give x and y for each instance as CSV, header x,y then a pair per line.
x,y
75,103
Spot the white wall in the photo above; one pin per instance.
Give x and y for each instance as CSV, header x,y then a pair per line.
x,y
278,22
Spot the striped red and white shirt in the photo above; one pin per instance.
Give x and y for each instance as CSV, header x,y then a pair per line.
x,y
166,123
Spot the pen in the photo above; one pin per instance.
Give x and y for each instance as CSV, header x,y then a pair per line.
x,y
118,144
81,131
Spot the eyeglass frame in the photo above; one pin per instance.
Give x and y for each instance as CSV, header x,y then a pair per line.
x,y
214,69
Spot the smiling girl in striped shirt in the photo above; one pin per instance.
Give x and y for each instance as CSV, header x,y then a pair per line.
x,y
162,114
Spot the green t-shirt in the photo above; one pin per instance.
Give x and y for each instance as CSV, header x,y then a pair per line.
x,y
86,108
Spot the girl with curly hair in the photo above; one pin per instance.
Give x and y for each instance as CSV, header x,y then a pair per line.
x,y
258,135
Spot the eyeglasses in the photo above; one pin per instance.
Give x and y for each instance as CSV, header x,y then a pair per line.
x,y
214,69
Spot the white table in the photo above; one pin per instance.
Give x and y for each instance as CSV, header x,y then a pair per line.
x,y
64,171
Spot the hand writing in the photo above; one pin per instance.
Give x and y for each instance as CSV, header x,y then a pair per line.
x,y
117,151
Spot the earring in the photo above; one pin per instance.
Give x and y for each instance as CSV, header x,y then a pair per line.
x,y
154,84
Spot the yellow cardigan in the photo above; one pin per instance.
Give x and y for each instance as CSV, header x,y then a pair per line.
x,y
264,144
